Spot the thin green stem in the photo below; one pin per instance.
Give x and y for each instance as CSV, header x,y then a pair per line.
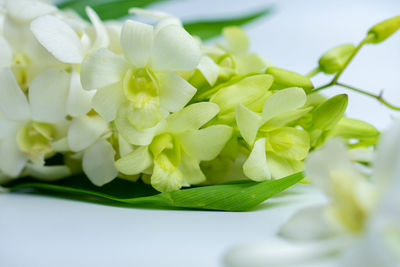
x,y
359,46
313,72
377,97
321,87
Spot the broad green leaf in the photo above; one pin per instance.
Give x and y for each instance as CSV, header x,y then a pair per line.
x,y
207,29
106,9
239,196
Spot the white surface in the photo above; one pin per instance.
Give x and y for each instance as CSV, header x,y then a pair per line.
x,y
42,231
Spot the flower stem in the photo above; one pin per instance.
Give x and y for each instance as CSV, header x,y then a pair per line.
x,y
359,46
377,97
313,72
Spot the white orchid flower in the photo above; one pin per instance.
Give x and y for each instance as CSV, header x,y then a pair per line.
x,y
175,152
71,45
207,67
143,79
277,150
31,130
360,225
19,49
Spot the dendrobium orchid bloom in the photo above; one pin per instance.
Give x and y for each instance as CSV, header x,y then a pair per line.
x,y
33,130
237,45
174,154
19,50
277,149
143,81
360,225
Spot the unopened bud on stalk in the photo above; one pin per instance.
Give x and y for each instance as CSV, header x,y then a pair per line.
x,y
383,30
286,78
352,128
334,59
330,112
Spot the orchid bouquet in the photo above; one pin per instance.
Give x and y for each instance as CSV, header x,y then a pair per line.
x,y
135,112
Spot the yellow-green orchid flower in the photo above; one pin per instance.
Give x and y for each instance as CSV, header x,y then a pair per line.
x,y
174,154
277,150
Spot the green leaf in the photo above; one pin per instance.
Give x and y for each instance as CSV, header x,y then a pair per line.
x,y
207,29
239,196
106,9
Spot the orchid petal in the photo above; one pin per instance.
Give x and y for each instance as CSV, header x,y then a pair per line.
x,y
256,167
237,39
289,142
283,101
5,53
251,91
58,38
175,92
135,162
387,157
98,163
26,10
79,100
102,68
174,49
314,222
165,180
13,103
207,143
192,117
84,131
102,40
48,95
281,167
48,173
12,158
106,101
190,170
209,69
248,123
141,137
137,42
320,163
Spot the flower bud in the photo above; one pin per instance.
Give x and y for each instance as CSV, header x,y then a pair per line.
x,y
334,59
383,30
328,114
352,128
251,91
285,79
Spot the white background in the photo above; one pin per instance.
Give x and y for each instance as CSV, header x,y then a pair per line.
x,y
43,231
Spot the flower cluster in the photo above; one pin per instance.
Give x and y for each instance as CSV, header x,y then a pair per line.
x,y
150,101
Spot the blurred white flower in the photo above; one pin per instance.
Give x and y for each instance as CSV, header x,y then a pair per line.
x,y
19,49
360,226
